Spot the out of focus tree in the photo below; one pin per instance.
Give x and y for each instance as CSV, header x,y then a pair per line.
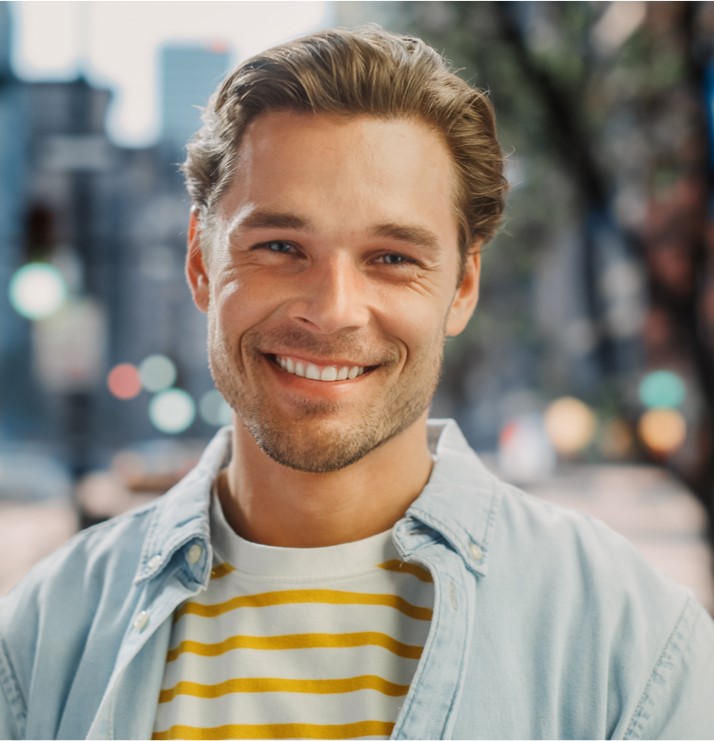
x,y
606,107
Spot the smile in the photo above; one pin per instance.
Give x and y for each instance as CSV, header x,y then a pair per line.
x,y
314,372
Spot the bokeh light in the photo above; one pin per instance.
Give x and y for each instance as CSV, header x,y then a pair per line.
x,y
123,381
662,430
570,425
661,389
214,409
37,290
172,411
524,451
157,372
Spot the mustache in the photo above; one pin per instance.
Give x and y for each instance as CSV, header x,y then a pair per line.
x,y
294,339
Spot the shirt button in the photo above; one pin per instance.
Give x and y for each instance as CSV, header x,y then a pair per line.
x,y
141,621
154,562
476,551
194,554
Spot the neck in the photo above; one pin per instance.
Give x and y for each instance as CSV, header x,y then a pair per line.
x,y
266,502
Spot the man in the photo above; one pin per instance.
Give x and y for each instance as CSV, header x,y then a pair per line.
x,y
336,566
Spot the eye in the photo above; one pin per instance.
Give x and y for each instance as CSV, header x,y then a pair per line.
x,y
394,258
276,245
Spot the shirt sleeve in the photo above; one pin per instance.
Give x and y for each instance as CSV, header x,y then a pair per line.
x,y
678,700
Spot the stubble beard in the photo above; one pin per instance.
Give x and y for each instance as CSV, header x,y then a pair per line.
x,y
316,438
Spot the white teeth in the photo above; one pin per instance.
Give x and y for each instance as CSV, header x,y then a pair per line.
x,y
315,373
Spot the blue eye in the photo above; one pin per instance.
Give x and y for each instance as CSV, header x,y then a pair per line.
x,y
276,245
392,258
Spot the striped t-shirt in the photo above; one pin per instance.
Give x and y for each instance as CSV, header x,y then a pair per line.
x,y
295,642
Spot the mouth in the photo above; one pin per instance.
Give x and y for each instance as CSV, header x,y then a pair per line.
x,y
316,372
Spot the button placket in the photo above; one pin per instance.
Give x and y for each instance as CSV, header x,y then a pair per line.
x,y
428,710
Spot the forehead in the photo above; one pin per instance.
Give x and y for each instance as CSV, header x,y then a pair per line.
x,y
346,169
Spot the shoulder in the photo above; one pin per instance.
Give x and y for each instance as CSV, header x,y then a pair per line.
x,y
528,544
46,620
100,564
586,555
123,549
90,562
594,615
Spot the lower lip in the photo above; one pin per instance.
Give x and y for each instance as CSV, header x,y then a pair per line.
x,y
313,387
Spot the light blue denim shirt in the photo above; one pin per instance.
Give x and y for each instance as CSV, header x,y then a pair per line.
x,y
546,624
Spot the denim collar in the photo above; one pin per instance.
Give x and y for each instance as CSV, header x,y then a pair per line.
x,y
181,516
459,504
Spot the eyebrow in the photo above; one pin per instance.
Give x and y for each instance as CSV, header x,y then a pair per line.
x,y
408,233
273,220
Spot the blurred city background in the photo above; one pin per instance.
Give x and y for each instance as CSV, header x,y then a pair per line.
x,y
587,375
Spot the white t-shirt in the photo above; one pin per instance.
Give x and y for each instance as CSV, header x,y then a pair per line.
x,y
295,642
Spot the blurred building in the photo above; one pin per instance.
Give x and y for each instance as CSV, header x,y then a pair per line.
x,y
189,74
13,341
112,221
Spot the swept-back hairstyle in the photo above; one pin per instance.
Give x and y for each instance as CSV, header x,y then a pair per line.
x,y
365,71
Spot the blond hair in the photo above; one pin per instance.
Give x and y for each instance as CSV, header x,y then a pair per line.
x,y
365,71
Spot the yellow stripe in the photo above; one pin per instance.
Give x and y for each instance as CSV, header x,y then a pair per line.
x,y
402,567
297,596
221,570
297,641
278,684
280,730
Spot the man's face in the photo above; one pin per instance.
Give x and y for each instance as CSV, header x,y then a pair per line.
x,y
330,280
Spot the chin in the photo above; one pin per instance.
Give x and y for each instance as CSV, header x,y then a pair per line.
x,y
312,446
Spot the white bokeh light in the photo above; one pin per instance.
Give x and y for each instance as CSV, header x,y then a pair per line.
x,y
37,290
172,411
157,372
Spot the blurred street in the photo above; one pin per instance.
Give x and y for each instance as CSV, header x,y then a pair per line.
x,y
649,507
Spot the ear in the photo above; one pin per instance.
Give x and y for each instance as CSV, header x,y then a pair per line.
x,y
196,272
466,297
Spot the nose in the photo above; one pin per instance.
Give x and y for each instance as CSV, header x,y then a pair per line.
x,y
332,296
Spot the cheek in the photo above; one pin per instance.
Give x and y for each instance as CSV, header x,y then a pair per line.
x,y
233,304
419,325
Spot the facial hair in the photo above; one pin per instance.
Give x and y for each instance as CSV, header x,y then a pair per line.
x,y
322,435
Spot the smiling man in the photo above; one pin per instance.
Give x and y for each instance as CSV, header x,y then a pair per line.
x,y
331,274
337,565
